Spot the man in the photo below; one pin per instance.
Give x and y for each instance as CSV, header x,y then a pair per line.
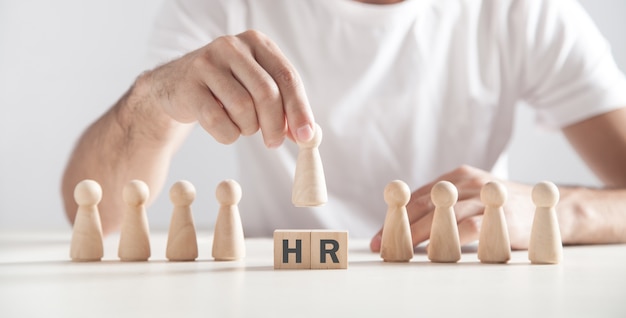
x,y
415,90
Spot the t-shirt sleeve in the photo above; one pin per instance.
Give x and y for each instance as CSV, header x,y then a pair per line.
x,y
182,26
568,73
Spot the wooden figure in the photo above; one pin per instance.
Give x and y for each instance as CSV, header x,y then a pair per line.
x,y
329,249
545,245
135,234
292,249
444,246
309,185
228,237
494,245
86,243
182,243
396,244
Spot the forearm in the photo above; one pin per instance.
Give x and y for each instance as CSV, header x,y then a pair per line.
x,y
135,139
596,216
592,216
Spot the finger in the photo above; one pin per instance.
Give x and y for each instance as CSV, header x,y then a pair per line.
x,y
469,188
416,209
289,134
468,208
266,97
295,102
467,204
235,99
375,242
420,210
469,229
213,118
420,230
419,206
424,191
463,174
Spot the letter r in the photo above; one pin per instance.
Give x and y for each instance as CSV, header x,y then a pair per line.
x,y
332,252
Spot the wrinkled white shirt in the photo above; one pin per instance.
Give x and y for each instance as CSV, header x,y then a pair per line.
x,y
405,91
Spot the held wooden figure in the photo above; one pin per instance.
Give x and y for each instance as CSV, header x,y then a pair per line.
x,y
545,245
86,243
494,245
396,244
309,184
135,235
228,238
182,243
445,246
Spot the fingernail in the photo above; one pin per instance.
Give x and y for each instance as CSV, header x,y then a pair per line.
x,y
304,133
275,144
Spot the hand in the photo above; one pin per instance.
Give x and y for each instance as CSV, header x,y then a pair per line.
x,y
518,209
235,86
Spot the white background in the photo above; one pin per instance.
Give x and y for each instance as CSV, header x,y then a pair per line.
x,y
64,62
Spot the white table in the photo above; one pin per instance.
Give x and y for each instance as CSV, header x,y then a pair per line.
x,y
38,280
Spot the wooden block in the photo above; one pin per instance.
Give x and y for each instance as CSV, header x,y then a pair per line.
x,y
292,249
329,249
310,249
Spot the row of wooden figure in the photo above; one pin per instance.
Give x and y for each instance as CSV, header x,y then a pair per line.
x,y
318,248
134,244
545,246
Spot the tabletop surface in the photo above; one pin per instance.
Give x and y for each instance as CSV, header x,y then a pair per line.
x,y
38,280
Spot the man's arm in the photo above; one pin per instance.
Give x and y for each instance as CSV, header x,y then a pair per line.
x,y
586,216
598,215
235,85
133,140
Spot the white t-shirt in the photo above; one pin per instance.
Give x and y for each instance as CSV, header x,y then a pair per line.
x,y
405,91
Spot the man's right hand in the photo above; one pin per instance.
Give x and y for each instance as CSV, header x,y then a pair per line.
x,y
235,86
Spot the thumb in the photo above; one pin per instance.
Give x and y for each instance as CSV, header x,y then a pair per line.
x,y
375,243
